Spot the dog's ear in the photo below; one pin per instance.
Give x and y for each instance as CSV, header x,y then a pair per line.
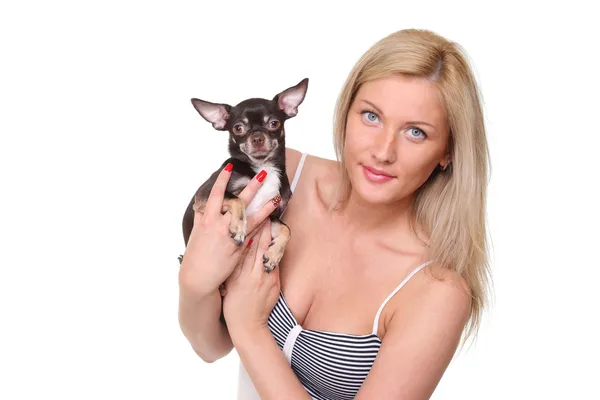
x,y
289,100
216,114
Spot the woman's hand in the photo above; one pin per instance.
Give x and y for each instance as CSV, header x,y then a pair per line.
x,y
251,293
211,254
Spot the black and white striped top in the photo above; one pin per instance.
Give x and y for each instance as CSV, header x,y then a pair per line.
x,y
329,365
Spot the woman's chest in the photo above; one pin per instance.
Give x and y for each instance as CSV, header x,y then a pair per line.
x,y
333,280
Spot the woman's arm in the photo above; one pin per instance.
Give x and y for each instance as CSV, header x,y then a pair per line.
x,y
210,256
266,365
419,342
202,327
251,294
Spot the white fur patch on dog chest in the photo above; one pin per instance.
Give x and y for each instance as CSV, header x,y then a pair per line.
x,y
269,189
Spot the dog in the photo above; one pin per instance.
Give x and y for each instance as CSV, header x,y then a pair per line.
x,y
256,143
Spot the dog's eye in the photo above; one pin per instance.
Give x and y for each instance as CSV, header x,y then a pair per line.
x,y
238,129
274,124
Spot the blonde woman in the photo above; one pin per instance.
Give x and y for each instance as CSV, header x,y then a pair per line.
x,y
387,271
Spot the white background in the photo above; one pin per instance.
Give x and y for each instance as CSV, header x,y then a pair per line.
x,y
101,150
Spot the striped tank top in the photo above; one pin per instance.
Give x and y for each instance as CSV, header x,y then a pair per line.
x,y
330,365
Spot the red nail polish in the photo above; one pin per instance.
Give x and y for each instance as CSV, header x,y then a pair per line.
x,y
250,242
261,176
276,200
229,167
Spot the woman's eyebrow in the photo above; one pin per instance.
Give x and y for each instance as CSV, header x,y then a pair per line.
x,y
372,105
420,123
408,122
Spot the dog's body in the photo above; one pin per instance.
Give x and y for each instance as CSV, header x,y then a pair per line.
x,y
256,143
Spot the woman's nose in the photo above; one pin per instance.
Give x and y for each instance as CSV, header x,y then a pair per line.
x,y
384,147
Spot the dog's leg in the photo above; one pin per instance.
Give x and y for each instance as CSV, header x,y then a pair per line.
x,y
281,235
238,224
236,208
199,204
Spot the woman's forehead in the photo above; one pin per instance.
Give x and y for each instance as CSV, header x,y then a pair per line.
x,y
404,98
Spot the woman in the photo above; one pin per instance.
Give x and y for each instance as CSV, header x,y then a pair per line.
x,y
387,266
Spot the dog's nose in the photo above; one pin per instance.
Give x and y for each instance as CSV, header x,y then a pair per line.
x,y
258,140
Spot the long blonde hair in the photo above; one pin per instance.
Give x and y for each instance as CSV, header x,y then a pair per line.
x,y
450,206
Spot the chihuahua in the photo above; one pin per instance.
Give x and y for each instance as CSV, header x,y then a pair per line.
x,y
256,143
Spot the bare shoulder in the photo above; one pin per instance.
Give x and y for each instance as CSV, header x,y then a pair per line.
x,y
442,285
422,333
321,166
433,291
292,159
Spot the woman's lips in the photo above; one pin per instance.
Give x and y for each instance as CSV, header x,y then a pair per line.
x,y
376,175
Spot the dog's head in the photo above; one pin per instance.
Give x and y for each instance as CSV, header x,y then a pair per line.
x,y
256,126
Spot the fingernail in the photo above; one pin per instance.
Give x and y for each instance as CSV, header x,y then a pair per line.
x,y
276,200
250,242
261,176
229,167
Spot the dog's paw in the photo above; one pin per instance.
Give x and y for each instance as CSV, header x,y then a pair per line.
x,y
237,229
269,264
272,257
237,226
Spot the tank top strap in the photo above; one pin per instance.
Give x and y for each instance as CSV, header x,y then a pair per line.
x,y
376,322
298,171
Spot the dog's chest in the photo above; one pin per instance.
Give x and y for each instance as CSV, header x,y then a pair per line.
x,y
270,188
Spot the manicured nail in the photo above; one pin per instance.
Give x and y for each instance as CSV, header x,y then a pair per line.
x,y
261,176
276,200
229,167
250,242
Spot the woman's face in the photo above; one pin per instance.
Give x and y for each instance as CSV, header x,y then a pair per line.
x,y
396,135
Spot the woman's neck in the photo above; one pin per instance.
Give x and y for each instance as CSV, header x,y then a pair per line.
x,y
356,213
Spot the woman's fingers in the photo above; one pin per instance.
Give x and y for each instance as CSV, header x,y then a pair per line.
x,y
198,217
246,260
214,203
261,215
253,185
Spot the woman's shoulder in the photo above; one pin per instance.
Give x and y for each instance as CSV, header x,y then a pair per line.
x,y
292,159
429,292
317,180
312,164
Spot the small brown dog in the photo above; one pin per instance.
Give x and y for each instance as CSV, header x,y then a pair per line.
x,y
256,143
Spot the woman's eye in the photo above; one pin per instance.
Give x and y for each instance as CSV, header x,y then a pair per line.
x,y
370,116
416,133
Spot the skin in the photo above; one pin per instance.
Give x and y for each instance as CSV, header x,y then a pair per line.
x,y
210,257
366,248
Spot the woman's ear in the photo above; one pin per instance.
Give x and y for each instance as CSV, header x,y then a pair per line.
x,y
445,161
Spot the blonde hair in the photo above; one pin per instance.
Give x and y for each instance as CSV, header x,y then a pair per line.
x,y
450,206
